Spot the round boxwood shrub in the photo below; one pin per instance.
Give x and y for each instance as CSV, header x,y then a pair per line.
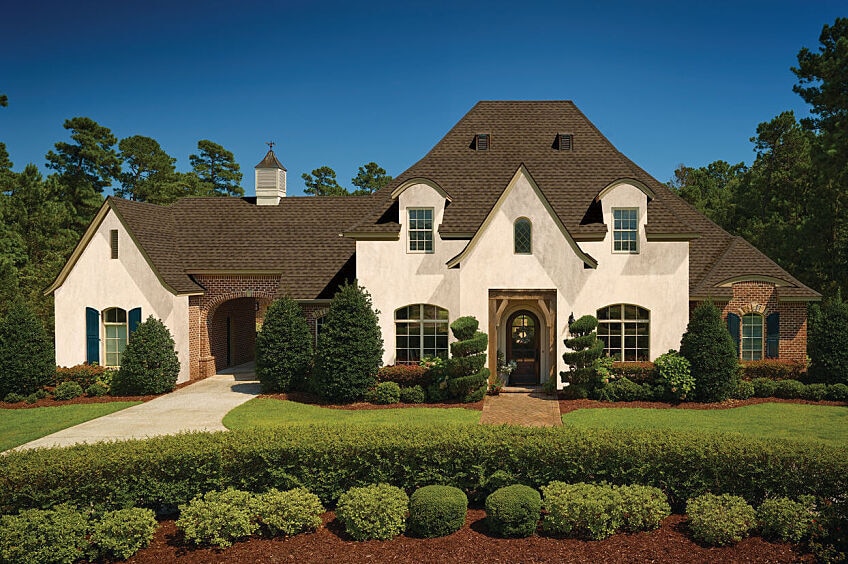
x,y
386,393
120,534
289,512
67,391
26,353
373,512
219,518
674,374
97,389
415,394
764,387
837,392
56,535
782,519
350,348
815,392
513,511
283,348
789,389
744,390
436,511
149,364
720,519
709,348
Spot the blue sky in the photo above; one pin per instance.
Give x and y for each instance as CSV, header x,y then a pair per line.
x,y
344,83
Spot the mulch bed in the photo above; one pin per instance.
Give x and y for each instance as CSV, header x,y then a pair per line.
x,y
50,402
472,543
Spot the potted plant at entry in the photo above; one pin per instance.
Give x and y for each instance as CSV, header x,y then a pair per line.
x,y
502,377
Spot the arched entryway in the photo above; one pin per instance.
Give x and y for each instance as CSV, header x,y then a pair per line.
x,y
232,332
523,346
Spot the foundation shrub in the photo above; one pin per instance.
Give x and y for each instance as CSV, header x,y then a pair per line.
x,y
773,369
720,520
120,534
584,511
406,375
780,518
32,398
674,374
709,348
219,518
837,392
436,393
642,507
283,348
436,511
744,390
14,397
828,341
789,389
67,391
415,394
764,388
26,353
373,512
83,374
513,511
575,391
815,392
43,536
149,364
385,393
289,512
639,372
97,390
624,390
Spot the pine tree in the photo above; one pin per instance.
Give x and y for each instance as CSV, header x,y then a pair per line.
x,y
467,377
26,354
283,348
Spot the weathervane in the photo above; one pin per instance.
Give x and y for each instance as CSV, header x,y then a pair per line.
x,y
270,145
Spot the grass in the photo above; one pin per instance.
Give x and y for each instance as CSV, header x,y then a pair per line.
x,y
265,412
19,426
765,420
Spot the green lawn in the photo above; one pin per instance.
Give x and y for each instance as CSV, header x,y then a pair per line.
x,y
264,412
19,426
765,420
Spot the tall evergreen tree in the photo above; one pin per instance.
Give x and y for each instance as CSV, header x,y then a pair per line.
x,y
217,169
149,170
370,178
322,182
26,352
283,348
710,350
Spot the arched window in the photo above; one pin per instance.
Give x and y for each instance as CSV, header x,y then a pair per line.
x,y
752,336
625,330
420,330
115,329
523,236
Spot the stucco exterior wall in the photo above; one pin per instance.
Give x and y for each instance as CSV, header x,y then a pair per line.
x,y
127,282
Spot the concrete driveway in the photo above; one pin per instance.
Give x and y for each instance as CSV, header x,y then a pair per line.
x,y
197,407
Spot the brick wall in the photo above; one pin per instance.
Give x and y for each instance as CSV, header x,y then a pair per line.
x,y
232,332
761,297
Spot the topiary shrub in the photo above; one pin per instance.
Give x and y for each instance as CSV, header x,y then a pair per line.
x,y
436,511
763,387
744,390
709,348
386,393
720,519
467,377
414,394
642,507
674,374
837,392
219,518
56,535
782,519
350,348
120,534
513,511
789,389
149,364
283,348
373,512
67,391
97,389
828,341
586,348
289,512
26,353
585,511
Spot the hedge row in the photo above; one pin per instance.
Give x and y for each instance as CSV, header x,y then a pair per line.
x,y
163,472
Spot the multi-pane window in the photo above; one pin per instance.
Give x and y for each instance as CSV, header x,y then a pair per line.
x,y
523,235
752,336
624,230
420,330
115,325
625,330
421,230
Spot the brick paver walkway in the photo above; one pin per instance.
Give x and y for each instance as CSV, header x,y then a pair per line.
x,y
531,409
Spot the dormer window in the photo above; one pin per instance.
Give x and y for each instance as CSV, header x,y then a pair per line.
x,y
420,230
624,230
565,141
481,141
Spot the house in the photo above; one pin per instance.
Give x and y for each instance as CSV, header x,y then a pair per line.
x,y
523,216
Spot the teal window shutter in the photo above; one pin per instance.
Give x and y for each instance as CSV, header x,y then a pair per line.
x,y
733,327
92,335
773,335
133,319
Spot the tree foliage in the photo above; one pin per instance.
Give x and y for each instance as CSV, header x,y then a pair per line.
x,y
26,353
283,347
828,341
370,178
350,347
149,364
709,348
217,169
322,182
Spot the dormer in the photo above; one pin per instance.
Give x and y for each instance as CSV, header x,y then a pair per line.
x,y
270,177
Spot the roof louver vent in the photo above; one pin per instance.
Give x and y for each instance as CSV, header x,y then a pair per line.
x,y
565,141
481,142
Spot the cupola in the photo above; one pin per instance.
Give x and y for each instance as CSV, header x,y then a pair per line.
x,y
270,177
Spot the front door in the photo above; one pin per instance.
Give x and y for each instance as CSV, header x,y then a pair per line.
x,y
523,347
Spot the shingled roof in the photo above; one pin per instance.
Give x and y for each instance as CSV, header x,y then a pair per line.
x,y
525,132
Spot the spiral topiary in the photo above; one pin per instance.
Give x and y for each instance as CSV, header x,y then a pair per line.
x,y
586,348
467,377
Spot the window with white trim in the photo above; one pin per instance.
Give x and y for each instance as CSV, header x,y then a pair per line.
x,y
523,236
421,330
115,329
624,230
752,336
625,330
420,230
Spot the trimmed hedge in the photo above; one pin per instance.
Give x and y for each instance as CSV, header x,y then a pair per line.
x,y
406,375
164,471
773,369
639,372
